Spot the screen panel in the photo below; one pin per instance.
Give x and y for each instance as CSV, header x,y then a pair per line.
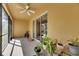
x,y
4,30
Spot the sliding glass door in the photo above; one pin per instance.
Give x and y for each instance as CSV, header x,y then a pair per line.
x,y
41,25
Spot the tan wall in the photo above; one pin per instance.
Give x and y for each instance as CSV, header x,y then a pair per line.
x,y
63,21
31,27
20,27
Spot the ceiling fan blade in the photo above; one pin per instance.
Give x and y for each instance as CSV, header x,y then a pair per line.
x,y
23,11
20,7
31,11
28,13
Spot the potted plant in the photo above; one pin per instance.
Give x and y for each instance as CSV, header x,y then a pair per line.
x,y
38,49
48,45
74,47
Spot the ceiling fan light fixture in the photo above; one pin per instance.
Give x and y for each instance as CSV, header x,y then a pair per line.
x,y
27,7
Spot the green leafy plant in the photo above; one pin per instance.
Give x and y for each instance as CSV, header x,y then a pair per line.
x,y
46,44
46,41
74,42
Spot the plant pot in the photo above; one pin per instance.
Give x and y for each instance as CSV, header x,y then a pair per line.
x,y
37,50
74,50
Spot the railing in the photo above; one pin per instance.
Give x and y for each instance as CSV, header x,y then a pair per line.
x,y
4,41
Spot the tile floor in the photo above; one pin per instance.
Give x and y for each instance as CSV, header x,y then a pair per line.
x,y
13,49
20,47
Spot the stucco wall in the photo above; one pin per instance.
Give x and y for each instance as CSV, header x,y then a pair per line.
x,y
20,27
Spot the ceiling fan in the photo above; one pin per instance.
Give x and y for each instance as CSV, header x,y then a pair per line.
x,y
27,9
